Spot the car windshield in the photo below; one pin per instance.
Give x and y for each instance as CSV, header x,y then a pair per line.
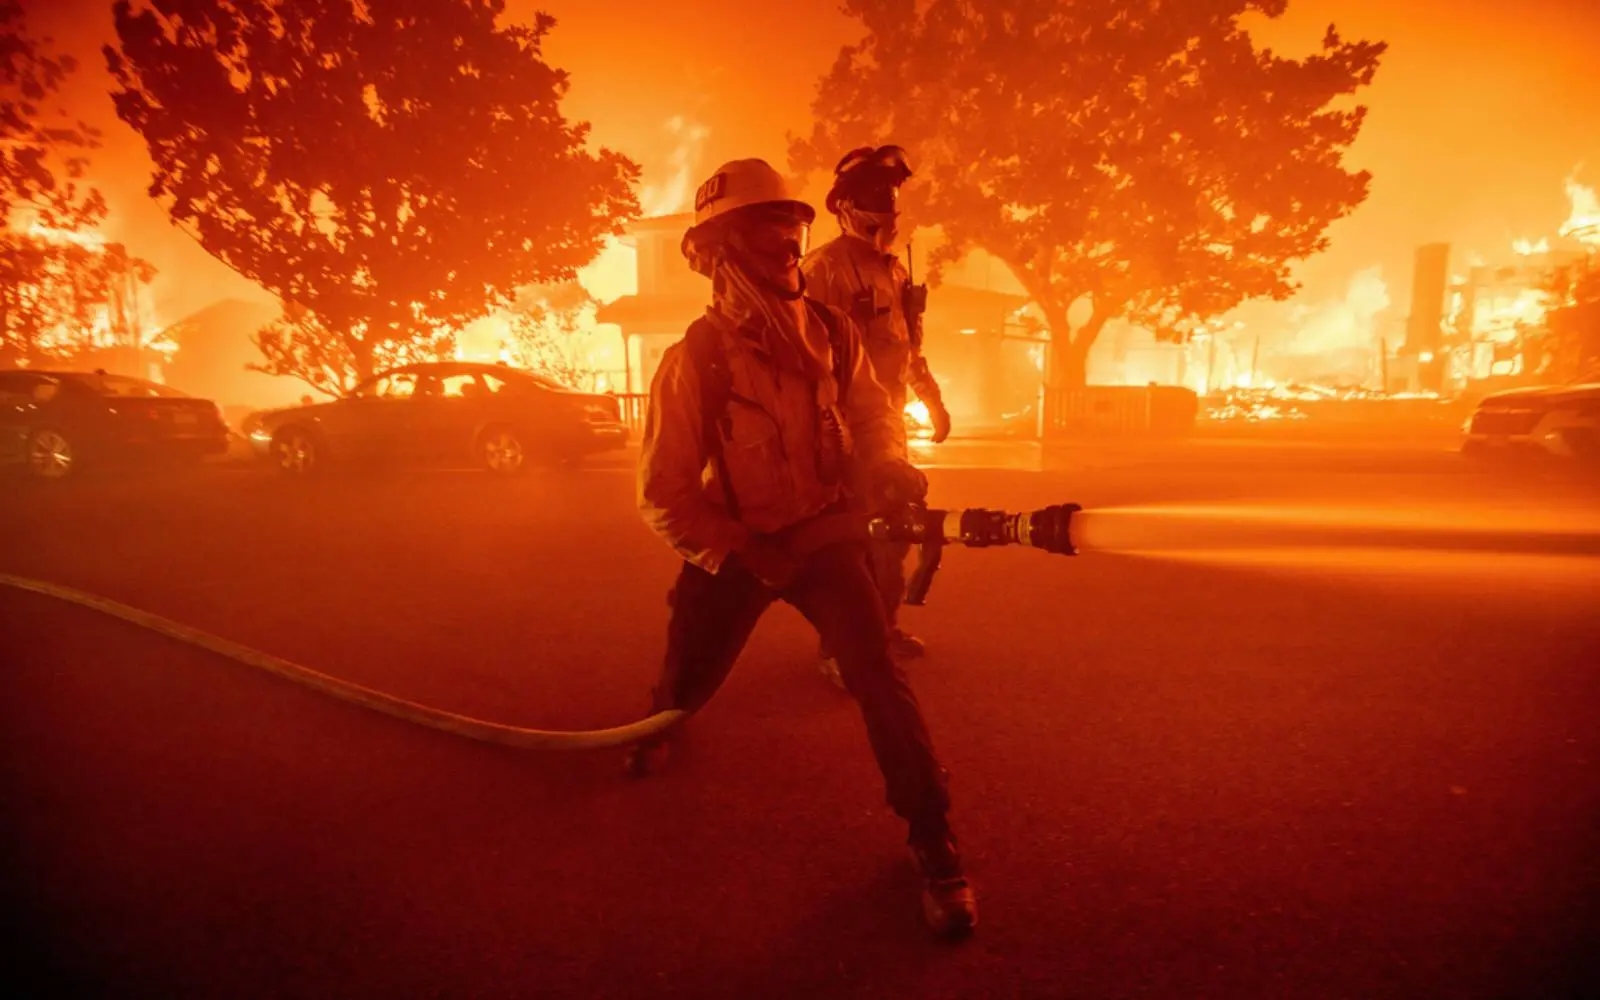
x,y
125,387
549,383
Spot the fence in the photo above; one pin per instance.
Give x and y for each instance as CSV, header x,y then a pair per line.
x,y
632,405
1119,411
1094,411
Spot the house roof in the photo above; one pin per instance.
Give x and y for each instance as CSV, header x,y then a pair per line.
x,y
655,311
966,295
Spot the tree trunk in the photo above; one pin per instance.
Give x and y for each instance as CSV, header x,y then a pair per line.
x,y
360,361
1069,355
1069,368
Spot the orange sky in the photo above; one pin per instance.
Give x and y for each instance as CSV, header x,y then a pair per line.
x,y
1477,117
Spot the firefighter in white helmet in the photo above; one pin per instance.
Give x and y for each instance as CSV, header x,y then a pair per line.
x,y
766,416
858,273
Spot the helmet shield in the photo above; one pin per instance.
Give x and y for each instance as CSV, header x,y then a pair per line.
x,y
775,232
870,179
748,196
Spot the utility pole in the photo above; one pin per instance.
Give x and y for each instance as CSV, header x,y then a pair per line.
x,y
1211,361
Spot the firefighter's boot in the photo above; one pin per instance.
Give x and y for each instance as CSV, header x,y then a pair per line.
x,y
949,906
905,646
828,667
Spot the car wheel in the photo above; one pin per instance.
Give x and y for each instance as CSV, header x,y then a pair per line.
x,y
1584,443
296,452
501,451
50,454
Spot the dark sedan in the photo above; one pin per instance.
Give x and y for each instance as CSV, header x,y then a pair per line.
x,y
447,413
55,423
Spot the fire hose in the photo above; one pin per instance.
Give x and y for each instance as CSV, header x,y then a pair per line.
x,y
1049,529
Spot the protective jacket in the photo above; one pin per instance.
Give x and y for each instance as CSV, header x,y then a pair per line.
x,y
775,439
869,286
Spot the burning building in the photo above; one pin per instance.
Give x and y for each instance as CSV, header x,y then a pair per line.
x,y
1491,325
71,295
668,297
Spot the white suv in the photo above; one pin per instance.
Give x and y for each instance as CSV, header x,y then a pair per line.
x,y
1560,420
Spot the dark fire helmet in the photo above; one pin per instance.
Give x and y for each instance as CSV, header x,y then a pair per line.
x,y
869,178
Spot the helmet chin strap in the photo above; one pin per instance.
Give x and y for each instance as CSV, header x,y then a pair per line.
x,y
777,315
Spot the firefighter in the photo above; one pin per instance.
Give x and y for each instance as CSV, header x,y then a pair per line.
x,y
763,418
858,273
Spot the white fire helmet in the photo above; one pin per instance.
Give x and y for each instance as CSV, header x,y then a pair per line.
x,y
736,185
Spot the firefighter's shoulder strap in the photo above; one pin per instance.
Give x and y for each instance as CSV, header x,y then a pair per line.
x,y
710,362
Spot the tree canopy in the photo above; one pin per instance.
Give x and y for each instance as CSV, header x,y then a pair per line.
x,y
390,169
1141,157
547,329
42,155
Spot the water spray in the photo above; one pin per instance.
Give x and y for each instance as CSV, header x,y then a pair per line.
x,y
1156,530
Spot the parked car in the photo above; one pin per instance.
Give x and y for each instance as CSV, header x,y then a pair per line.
x,y
1559,420
447,413
53,424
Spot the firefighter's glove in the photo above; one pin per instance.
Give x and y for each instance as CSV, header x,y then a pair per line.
x,y
769,561
941,420
897,483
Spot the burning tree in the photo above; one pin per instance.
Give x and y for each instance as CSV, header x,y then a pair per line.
x,y
1140,158
62,288
1569,331
65,293
546,327
389,169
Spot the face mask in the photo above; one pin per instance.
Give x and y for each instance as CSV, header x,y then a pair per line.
x,y
778,319
771,255
877,228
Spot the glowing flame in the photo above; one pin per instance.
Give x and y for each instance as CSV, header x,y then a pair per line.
x,y
615,272
1497,315
596,348
1583,224
587,354
1345,323
127,321
1524,248
90,240
612,274
919,422
672,194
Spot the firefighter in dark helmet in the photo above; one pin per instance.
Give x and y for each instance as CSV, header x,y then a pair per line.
x,y
858,273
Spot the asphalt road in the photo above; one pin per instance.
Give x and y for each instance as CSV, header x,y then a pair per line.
x,y
1257,759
